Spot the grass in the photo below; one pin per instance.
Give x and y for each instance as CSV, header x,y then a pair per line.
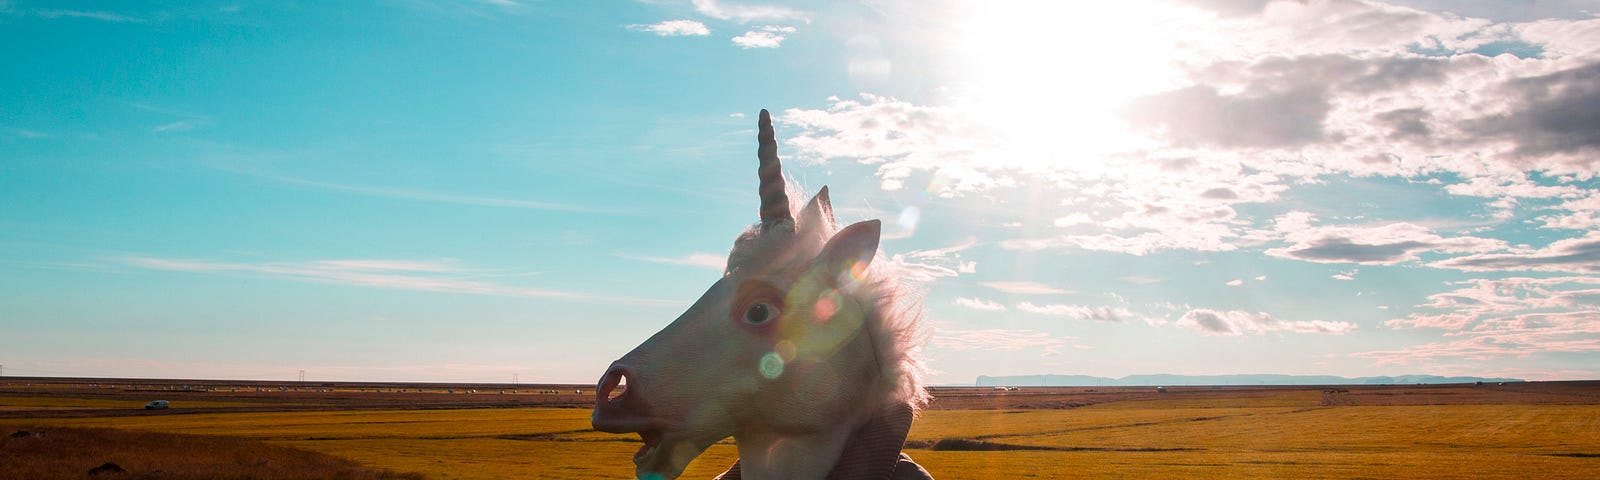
x,y
357,425
1200,434
1332,464
1434,441
497,458
444,444
1106,441
46,453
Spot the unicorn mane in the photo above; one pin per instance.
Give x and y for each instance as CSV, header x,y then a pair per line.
x,y
898,334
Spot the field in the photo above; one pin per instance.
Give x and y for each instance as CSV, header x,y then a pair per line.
x,y
74,452
1516,430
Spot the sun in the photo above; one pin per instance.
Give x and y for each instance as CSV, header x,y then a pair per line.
x,y
1052,77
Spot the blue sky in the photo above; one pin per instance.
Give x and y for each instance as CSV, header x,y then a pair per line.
x,y
466,190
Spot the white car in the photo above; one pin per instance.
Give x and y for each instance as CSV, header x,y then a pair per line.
x,y
156,405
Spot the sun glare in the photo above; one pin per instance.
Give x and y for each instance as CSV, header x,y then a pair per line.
x,y
1051,76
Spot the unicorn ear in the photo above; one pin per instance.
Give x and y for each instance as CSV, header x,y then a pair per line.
x,y
818,212
851,250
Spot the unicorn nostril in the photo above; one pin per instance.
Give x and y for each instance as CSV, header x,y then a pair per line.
x,y
613,386
617,407
622,388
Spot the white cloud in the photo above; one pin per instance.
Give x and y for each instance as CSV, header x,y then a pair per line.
x,y
769,36
178,126
673,28
943,253
25,133
1082,312
1152,206
708,261
92,15
754,39
435,266
1239,322
1578,255
746,13
1212,238
1505,11
927,265
1581,213
422,195
1510,305
1383,244
1025,288
1073,219
899,136
1235,282
919,272
980,304
1269,98
1574,333
1561,38
995,339
444,276
1513,185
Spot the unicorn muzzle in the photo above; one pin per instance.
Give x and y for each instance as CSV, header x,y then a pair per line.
x,y
618,406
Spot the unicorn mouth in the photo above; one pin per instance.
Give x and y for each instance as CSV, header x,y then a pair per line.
x,y
666,452
620,409
661,457
652,439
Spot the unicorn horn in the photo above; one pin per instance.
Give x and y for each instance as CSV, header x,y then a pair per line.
x,y
774,201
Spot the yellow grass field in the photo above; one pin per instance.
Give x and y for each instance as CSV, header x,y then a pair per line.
x,y
1287,433
30,453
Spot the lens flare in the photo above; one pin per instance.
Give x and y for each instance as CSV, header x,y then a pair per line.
x,y
826,306
771,365
785,350
909,217
858,271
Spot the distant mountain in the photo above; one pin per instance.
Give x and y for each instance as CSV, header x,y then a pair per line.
x,y
1245,379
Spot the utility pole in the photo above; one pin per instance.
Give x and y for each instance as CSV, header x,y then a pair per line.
x,y
513,379
302,376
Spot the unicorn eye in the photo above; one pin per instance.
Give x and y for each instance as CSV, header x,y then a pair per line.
x,y
760,313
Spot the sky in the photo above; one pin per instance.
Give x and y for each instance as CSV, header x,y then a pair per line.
x,y
472,191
